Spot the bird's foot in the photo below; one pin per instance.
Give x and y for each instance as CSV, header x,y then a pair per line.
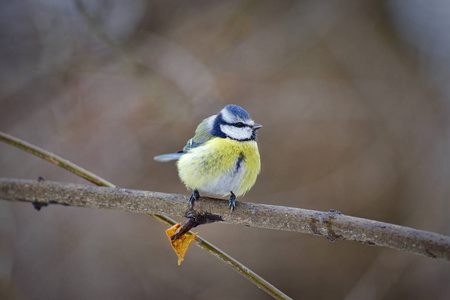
x,y
232,201
195,195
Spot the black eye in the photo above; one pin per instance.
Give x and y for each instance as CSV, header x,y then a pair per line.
x,y
239,124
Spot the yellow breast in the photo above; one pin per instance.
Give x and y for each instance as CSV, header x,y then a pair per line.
x,y
220,166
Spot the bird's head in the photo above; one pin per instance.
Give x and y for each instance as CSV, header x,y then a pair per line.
x,y
235,123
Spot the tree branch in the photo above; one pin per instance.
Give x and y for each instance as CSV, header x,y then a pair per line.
x,y
333,225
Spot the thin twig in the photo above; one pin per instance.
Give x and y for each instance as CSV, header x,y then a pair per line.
x,y
202,243
333,225
54,159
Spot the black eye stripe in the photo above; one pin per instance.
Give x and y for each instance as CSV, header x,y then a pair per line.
x,y
238,124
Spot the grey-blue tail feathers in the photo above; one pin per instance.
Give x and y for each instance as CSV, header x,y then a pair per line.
x,y
168,157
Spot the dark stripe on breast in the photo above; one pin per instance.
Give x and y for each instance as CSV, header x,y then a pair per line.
x,y
239,162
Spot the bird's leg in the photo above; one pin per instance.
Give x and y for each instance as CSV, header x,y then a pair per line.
x,y
195,195
232,201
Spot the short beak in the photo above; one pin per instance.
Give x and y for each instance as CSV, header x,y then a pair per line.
x,y
256,126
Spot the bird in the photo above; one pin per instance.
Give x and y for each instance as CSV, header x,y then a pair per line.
x,y
222,158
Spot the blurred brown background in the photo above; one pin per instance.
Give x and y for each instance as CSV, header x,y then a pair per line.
x,y
354,99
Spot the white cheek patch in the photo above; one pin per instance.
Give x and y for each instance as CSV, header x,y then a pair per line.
x,y
243,133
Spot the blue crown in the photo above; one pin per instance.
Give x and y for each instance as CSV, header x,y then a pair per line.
x,y
238,111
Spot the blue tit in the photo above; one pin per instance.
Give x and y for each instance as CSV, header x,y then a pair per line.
x,y
222,158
